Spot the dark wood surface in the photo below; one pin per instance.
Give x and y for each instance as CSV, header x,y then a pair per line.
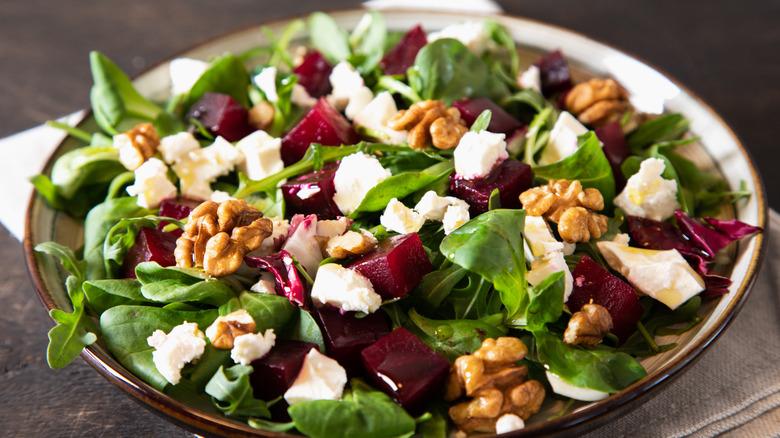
x,y
725,51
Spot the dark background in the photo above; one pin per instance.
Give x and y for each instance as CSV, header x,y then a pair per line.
x,y
725,51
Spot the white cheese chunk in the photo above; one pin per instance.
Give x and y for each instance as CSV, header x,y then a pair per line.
x,y
375,115
184,344
478,152
649,195
299,96
550,264
152,184
184,72
177,147
266,82
531,78
129,156
566,389
281,228
330,228
346,82
455,216
400,218
664,275
358,101
252,346
540,239
266,284
302,244
509,423
307,192
432,206
344,288
471,33
320,378
563,139
219,196
357,174
201,167
262,155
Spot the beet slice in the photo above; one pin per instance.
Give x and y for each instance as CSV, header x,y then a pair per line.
x,y
221,115
288,283
323,124
554,72
150,245
405,368
314,74
275,372
398,59
592,282
395,266
500,121
346,335
312,193
616,150
176,208
510,177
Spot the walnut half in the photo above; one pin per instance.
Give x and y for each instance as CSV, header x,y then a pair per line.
x,y
430,122
598,101
588,326
225,329
137,145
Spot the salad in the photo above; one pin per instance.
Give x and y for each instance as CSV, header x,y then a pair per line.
x,y
383,233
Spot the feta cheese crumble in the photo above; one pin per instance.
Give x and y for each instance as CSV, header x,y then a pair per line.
x,y
346,82
664,275
471,33
252,346
455,216
184,344
432,206
262,156
547,265
375,115
344,288
649,195
184,72
357,174
177,147
400,218
266,82
299,96
152,184
478,152
203,166
539,238
266,284
563,139
531,78
320,378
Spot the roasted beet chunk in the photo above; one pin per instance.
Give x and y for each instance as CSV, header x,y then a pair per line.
x,y
314,74
323,124
276,371
592,282
176,208
395,266
346,335
510,177
406,369
398,59
554,72
500,121
221,115
150,246
616,150
312,193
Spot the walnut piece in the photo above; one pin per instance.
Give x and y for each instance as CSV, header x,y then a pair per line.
x,y
261,116
137,145
349,244
430,122
226,328
495,384
598,102
588,326
568,205
218,235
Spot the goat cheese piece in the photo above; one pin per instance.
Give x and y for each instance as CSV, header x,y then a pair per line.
x,y
549,264
184,72
540,240
357,174
203,166
375,115
358,101
184,344
432,206
649,195
344,288
152,184
563,139
346,82
262,155
455,216
531,78
177,147
664,275
266,284
509,423
301,97
266,82
471,33
400,218
478,152
129,156
566,389
252,346
320,378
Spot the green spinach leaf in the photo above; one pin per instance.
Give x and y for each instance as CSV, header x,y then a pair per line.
x,y
456,337
336,46
268,311
226,75
181,285
233,394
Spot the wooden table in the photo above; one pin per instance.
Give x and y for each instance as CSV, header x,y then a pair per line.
x,y
725,51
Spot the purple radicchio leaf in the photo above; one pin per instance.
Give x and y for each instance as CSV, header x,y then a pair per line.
x,y
733,228
287,283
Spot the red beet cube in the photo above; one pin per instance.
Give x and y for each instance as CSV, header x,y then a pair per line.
x,y
176,208
398,59
150,245
312,193
406,369
510,177
221,115
554,72
395,266
592,282
314,74
276,371
346,335
616,150
322,124
500,121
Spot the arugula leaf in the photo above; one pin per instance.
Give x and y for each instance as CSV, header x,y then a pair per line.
x,y
456,337
233,394
492,245
474,299
70,262
181,285
482,122
73,331
368,40
336,46
226,75
363,412
437,285
664,128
